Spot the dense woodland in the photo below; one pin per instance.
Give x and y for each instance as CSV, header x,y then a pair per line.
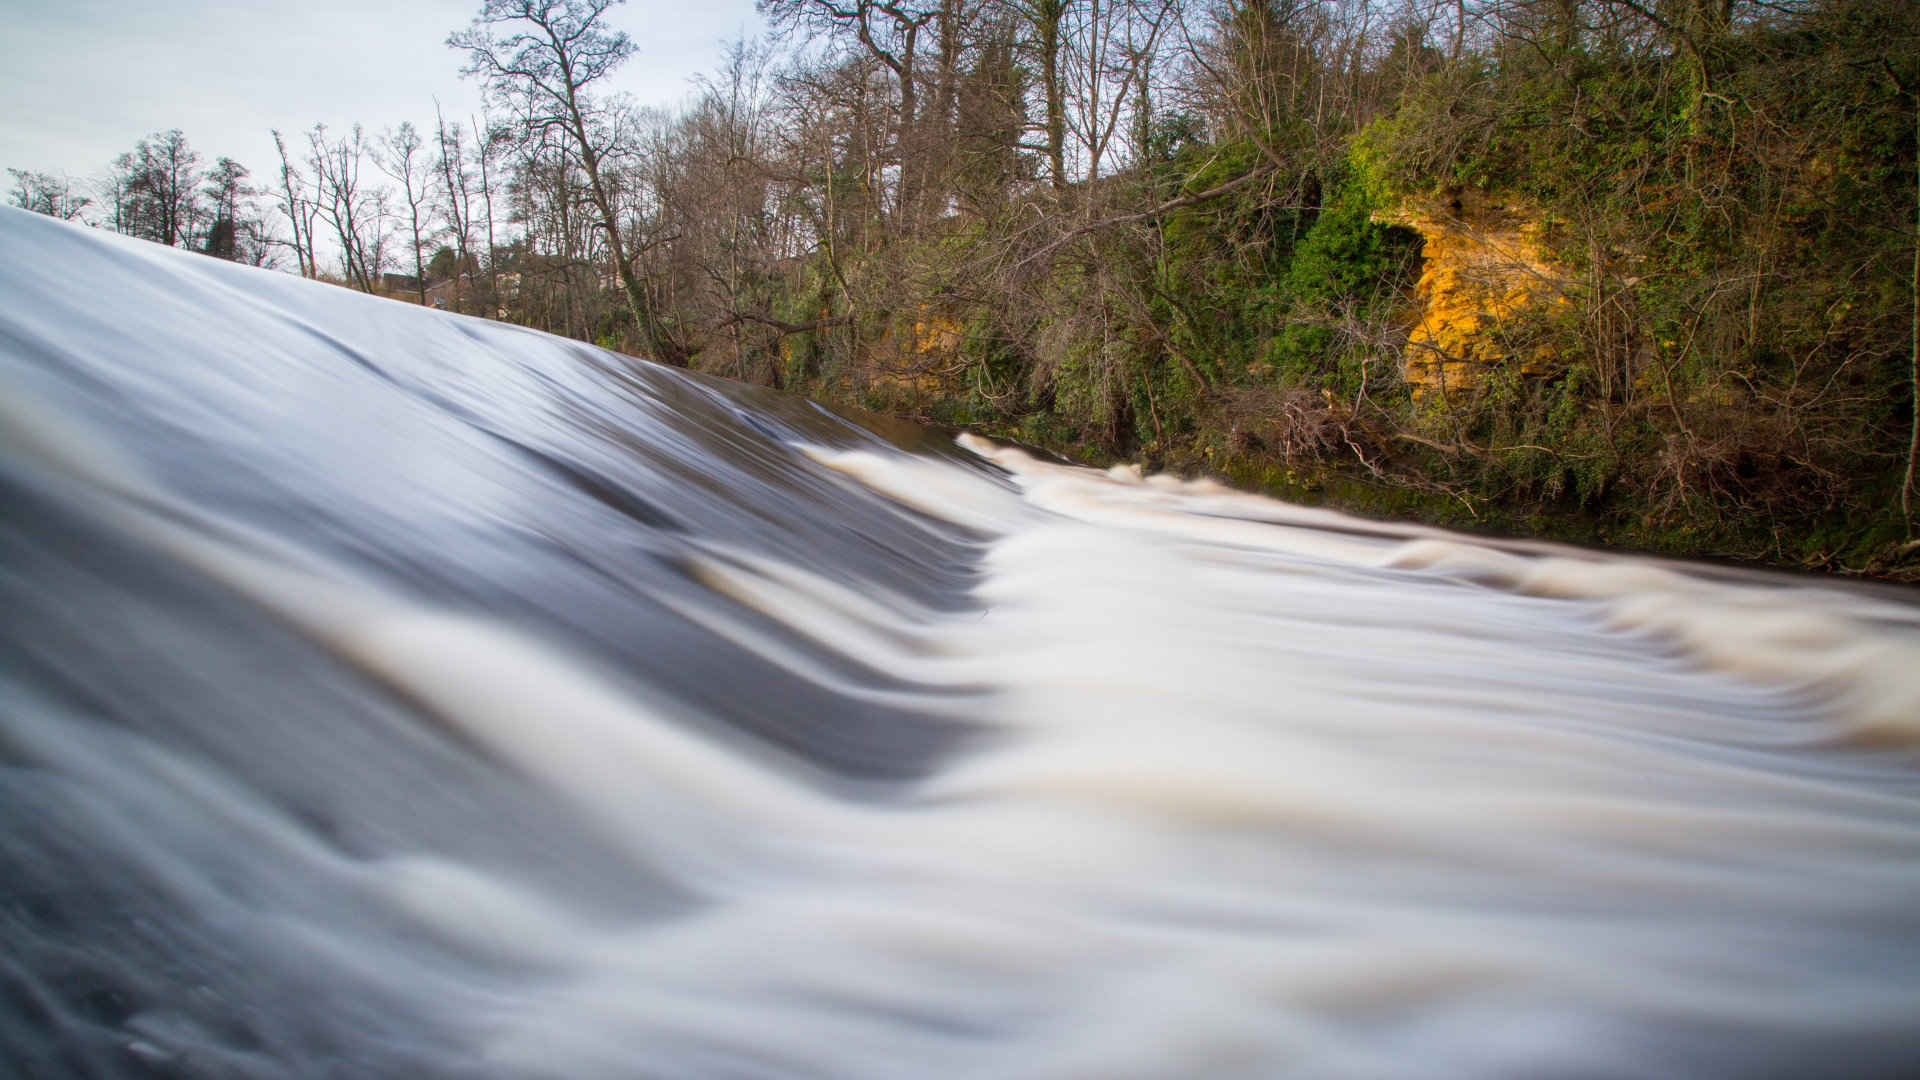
x,y
1184,232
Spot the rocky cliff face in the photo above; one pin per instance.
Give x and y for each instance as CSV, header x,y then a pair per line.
x,y
1484,265
921,357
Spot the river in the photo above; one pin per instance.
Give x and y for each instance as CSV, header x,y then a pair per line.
x,y
386,692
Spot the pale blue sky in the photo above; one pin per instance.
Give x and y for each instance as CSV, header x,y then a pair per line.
x,y
84,79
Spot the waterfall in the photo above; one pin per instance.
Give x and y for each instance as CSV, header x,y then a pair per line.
x,y
387,692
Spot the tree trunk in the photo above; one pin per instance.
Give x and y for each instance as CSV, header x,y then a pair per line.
x,y
1047,18
486,195
1913,375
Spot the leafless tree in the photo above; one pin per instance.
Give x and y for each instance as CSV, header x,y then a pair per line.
x,y
403,159
298,209
454,182
46,193
154,190
230,232
889,33
357,211
543,60
490,141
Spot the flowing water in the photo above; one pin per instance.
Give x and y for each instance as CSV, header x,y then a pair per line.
x,y
385,692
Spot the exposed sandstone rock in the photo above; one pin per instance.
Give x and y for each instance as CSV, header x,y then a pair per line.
x,y
923,361
1485,264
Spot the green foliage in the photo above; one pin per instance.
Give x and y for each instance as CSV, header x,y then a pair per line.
x,y
1740,236
1348,255
1725,345
1170,136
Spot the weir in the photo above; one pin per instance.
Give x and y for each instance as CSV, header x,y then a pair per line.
x,y
388,692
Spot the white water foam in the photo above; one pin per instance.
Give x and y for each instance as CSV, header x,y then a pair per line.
x,y
1258,804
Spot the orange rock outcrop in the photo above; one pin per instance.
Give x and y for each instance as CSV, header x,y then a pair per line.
x,y
1485,263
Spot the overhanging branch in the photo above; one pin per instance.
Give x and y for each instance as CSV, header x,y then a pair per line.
x,y
1047,250
781,325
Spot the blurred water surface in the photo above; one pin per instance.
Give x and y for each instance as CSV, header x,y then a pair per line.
x,y
391,693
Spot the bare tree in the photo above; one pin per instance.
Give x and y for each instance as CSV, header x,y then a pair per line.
x,y
227,195
403,160
1110,47
888,32
357,211
1046,18
46,193
155,190
298,209
710,236
544,68
455,185
1257,69
489,141
990,121
560,256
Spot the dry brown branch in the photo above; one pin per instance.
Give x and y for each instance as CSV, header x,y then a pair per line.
x,y
738,317
1194,199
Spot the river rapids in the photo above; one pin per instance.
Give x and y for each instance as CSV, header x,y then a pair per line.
x,y
386,692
